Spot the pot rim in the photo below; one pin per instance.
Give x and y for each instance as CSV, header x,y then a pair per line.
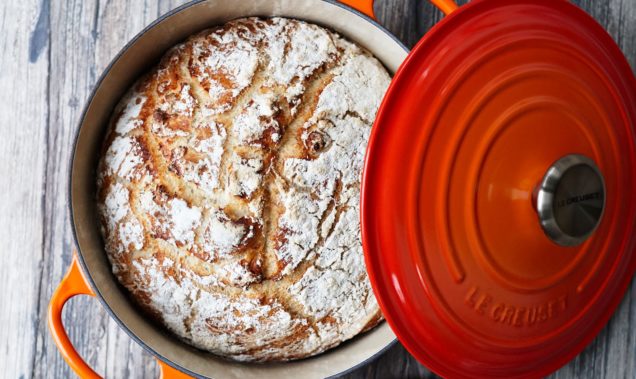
x,y
78,128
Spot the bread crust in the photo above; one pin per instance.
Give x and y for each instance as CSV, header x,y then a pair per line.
x,y
228,189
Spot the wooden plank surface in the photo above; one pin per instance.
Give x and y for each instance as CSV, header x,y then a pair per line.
x,y
52,54
24,115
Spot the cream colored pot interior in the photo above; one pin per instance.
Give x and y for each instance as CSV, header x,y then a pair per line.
x,y
140,56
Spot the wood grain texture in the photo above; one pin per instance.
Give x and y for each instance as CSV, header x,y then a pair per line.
x,y
52,55
24,126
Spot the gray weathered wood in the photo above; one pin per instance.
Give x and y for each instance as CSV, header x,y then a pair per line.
x,y
52,55
24,114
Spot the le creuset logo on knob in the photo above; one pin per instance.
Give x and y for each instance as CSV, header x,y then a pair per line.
x,y
577,199
571,199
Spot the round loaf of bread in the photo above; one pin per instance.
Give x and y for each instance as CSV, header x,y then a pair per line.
x,y
228,189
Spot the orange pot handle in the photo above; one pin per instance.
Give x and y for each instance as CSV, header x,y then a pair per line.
x,y
74,283
366,6
168,372
446,6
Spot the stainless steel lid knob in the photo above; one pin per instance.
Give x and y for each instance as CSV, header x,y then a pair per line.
x,y
570,200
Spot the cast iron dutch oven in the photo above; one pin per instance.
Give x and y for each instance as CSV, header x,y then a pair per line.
x,y
498,204
90,272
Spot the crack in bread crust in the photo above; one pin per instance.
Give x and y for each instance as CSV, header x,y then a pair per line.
x,y
229,189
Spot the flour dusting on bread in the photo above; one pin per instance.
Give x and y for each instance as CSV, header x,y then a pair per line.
x,y
229,189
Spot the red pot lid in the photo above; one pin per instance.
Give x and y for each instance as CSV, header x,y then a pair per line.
x,y
498,199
